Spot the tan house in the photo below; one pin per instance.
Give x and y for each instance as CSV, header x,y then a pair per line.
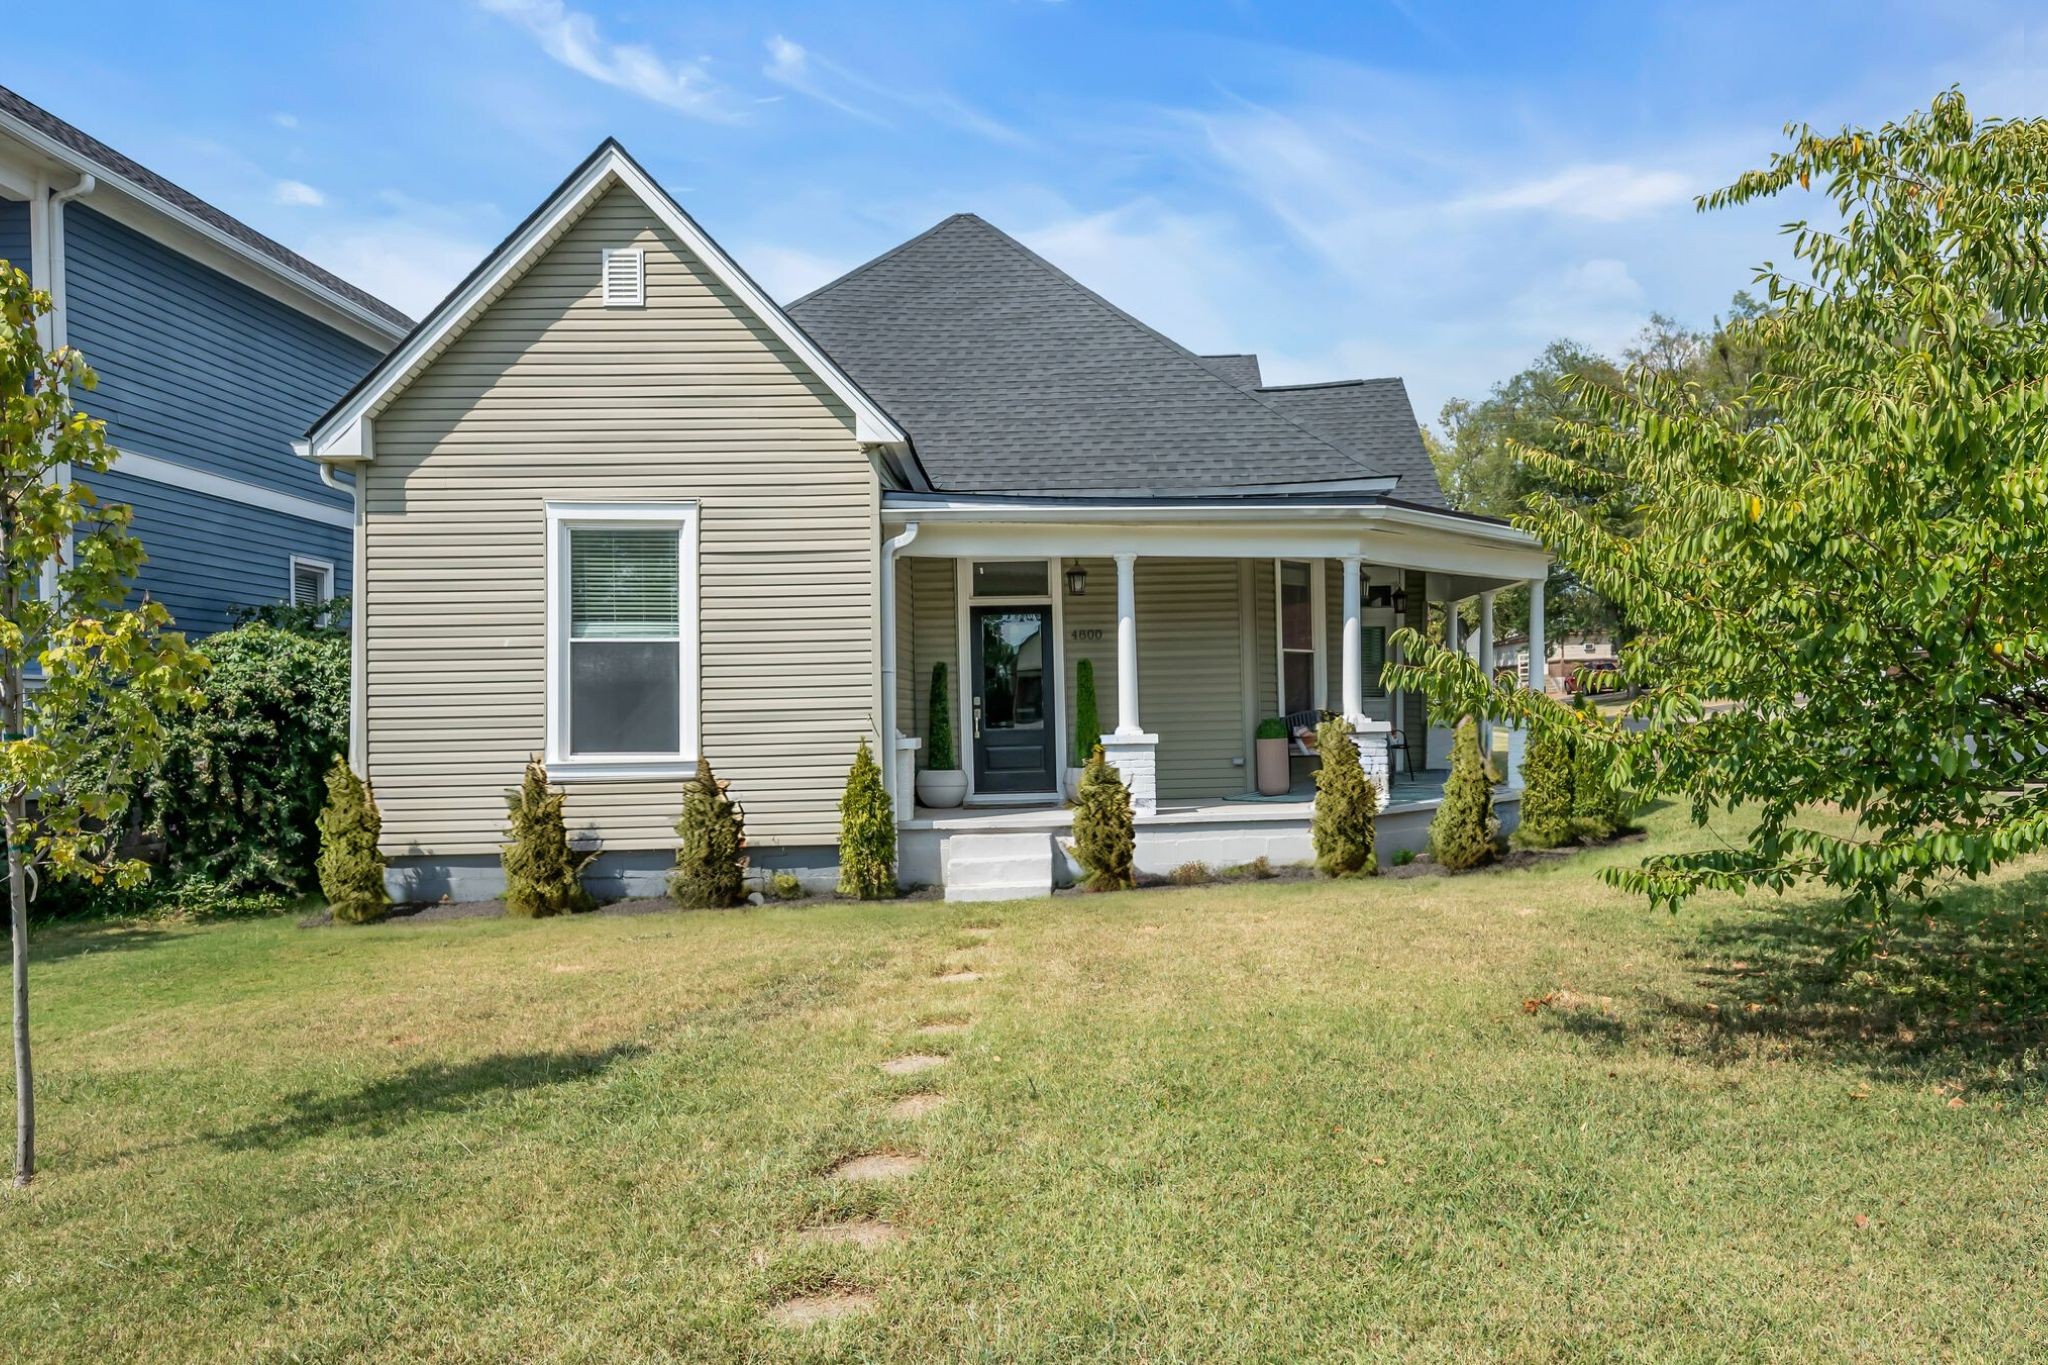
x,y
616,508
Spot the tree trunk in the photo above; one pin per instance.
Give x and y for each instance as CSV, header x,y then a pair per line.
x,y
24,1074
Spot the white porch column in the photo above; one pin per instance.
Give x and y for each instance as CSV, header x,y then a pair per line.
x,y
1354,646
1127,646
1486,659
1132,752
1539,663
1451,622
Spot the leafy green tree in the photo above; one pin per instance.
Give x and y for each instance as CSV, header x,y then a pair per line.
x,y
867,832
1861,572
939,755
107,672
1346,804
240,781
1105,828
351,868
1548,801
1600,808
542,875
711,860
1464,833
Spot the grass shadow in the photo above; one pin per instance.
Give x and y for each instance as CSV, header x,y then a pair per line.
x,y
418,1091
54,941
1957,994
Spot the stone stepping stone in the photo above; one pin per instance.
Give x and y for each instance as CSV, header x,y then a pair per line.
x,y
865,1233
917,1106
877,1166
914,1063
961,975
827,1305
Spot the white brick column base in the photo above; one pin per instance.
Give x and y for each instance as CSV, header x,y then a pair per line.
x,y
1136,759
1372,737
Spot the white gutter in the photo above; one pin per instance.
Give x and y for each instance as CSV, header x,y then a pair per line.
x,y
969,511
889,762
358,619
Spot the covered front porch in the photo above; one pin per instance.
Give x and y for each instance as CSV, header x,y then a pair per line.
x,y
1198,619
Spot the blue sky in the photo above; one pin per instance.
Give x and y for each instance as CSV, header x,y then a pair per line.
x,y
1381,187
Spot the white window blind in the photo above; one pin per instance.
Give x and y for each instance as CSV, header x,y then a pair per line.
x,y
625,277
312,583
623,584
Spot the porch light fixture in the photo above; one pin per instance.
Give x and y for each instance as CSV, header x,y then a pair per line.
x,y
1077,582
1400,601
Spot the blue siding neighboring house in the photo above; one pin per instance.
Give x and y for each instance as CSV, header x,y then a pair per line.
x,y
215,347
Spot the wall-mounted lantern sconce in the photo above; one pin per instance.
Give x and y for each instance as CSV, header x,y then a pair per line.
x,y
1077,582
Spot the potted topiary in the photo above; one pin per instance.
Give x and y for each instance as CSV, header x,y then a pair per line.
x,y
1087,725
1275,771
940,784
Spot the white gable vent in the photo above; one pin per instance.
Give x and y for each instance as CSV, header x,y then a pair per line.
x,y
625,277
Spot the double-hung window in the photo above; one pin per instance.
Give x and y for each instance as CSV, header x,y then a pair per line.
x,y
1299,608
622,620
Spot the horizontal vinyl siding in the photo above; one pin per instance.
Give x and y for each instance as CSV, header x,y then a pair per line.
x,y
934,639
196,367
550,395
207,554
1090,621
1190,673
14,246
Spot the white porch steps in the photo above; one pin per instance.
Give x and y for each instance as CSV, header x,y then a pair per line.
x,y
998,867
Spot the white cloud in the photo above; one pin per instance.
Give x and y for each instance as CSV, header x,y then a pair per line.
x,y
1606,192
409,255
284,120
789,272
793,65
297,194
1186,275
572,38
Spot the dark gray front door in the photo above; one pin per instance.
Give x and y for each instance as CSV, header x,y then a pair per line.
x,y
1014,665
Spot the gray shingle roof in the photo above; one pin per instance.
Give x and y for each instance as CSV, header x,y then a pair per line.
x,y
1012,377
1368,414
100,154
1241,370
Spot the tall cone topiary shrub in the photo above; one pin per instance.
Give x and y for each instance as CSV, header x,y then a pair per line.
x,y
1346,802
1599,811
351,870
1547,785
1105,835
711,860
867,832
1464,833
1087,720
938,739
541,874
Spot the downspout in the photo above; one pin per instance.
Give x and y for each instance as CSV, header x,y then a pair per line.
x,y
889,761
358,623
60,335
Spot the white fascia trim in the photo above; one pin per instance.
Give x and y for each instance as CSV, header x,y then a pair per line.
x,y
199,227
1139,513
229,490
682,517
872,425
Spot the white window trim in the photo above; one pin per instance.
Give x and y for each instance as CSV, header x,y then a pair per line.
x,y
1318,616
562,517
326,569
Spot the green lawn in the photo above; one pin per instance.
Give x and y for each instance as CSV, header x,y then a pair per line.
x,y
1273,1122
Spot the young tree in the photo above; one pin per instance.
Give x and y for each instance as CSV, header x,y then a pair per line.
x,y
711,859
938,724
351,868
542,875
107,672
1861,574
1547,792
867,832
1464,833
1105,828
1346,804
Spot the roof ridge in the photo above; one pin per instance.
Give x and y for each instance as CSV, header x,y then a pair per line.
x,y
1331,383
1190,357
871,263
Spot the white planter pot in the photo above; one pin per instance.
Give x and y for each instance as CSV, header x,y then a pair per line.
x,y
941,788
1275,773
